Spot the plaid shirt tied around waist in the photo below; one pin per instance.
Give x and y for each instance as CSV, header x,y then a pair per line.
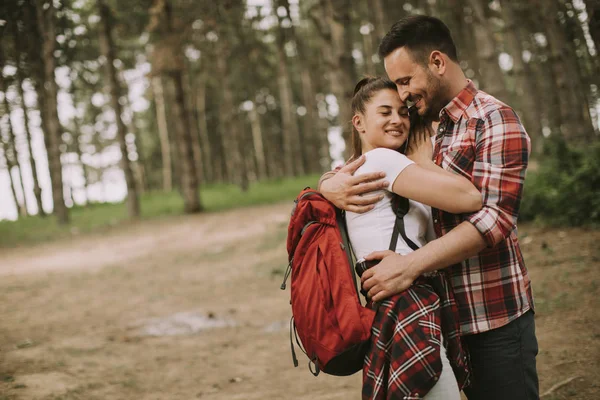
x,y
404,359
483,139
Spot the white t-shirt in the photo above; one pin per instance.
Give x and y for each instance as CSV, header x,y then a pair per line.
x,y
372,231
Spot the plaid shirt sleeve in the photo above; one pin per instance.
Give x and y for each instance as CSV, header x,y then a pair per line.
x,y
502,153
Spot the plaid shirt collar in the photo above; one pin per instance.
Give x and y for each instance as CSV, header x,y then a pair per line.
x,y
458,105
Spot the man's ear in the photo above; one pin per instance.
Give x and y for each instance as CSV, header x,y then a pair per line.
x,y
437,62
358,124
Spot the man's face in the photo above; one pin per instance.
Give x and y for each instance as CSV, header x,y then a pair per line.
x,y
416,83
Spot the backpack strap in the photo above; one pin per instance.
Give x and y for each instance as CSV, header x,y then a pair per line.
x,y
347,247
400,206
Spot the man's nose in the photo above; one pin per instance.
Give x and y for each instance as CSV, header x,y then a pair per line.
x,y
404,94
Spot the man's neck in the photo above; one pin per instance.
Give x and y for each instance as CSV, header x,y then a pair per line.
x,y
457,81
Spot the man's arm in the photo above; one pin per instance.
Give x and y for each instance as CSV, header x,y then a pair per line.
x,y
502,153
346,191
396,273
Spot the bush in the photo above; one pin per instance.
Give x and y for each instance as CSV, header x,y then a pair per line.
x,y
565,189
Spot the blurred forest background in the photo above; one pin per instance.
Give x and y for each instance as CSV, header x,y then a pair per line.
x,y
171,106
131,121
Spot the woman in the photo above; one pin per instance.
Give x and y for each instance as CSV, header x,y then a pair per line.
x,y
408,358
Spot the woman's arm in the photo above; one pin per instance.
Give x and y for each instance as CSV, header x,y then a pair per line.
x,y
430,184
443,190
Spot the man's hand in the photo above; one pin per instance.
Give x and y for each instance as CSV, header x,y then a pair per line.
x,y
391,276
344,190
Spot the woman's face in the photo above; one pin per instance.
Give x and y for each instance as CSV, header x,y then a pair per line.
x,y
384,123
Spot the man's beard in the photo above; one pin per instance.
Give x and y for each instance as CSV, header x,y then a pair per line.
x,y
436,99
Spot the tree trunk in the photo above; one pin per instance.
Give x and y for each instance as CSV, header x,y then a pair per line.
x,y
592,8
229,123
114,89
576,125
526,89
257,140
163,133
139,170
289,126
189,179
51,121
588,64
11,183
168,62
207,158
380,21
462,32
491,72
33,45
37,190
332,22
368,53
10,147
314,139
193,129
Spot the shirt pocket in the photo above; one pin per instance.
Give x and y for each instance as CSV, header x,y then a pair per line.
x,y
459,158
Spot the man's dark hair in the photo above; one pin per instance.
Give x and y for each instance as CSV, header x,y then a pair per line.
x,y
421,35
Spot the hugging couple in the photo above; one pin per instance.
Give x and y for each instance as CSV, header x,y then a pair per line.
x,y
460,156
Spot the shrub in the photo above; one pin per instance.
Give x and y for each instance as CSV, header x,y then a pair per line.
x,y
565,189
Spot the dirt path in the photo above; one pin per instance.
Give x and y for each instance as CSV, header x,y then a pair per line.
x,y
77,317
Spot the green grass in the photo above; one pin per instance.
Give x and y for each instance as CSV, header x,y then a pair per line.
x,y
104,216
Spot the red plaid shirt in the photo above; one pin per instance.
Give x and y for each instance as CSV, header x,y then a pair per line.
x,y
404,361
482,139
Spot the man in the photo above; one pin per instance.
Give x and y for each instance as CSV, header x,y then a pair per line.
x,y
482,139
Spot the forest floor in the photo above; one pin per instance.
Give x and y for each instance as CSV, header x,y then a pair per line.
x,y
189,307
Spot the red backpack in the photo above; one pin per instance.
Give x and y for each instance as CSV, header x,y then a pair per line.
x,y
328,317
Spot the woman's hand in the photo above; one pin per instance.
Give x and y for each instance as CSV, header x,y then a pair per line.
x,y
420,149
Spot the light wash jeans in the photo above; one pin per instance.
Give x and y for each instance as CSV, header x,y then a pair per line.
x,y
446,387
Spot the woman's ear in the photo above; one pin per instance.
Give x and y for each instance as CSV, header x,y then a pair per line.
x,y
358,124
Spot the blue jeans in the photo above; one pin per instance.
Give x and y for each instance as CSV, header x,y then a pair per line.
x,y
503,362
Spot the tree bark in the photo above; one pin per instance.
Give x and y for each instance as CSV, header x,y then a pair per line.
x,y
189,179
257,140
51,122
332,22
229,116
491,73
114,88
315,146
194,134
576,124
205,146
289,125
163,133
592,8
462,32
11,182
37,190
526,88
368,54
168,62
10,150
380,21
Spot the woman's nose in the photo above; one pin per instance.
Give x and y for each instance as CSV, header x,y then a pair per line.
x,y
396,118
